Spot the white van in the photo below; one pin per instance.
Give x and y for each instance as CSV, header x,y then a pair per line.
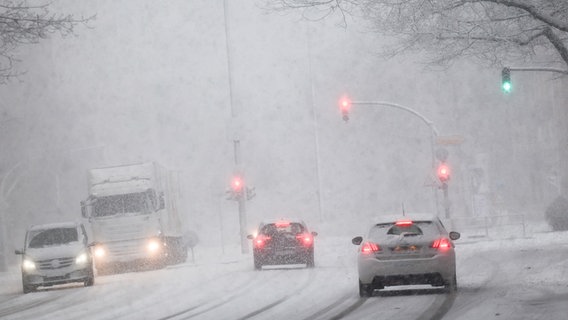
x,y
56,253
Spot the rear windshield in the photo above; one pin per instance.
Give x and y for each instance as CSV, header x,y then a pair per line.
x,y
52,237
273,229
422,228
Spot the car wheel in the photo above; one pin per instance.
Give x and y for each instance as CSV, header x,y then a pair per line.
x,y
310,260
257,264
365,290
28,288
451,284
90,281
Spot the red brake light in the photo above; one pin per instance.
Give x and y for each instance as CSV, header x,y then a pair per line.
x,y
442,244
306,239
369,247
403,223
282,224
260,241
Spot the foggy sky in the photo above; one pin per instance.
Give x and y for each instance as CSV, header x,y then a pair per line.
x,y
150,82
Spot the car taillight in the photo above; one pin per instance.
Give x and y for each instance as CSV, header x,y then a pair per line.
x,y
442,244
282,224
260,241
404,223
370,247
306,239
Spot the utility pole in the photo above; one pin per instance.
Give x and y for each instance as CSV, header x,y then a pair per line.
x,y
240,193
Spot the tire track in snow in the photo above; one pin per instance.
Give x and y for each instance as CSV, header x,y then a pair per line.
x,y
441,305
237,292
474,298
26,306
294,293
335,304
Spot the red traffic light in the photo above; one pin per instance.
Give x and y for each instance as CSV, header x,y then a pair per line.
x,y
443,172
237,184
345,107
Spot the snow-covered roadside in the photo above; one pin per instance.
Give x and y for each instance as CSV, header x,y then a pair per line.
x,y
511,277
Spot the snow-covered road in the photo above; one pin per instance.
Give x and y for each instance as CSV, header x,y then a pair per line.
x,y
505,279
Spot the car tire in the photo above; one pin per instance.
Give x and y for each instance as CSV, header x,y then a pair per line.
x,y
310,263
90,281
451,285
365,290
257,264
28,288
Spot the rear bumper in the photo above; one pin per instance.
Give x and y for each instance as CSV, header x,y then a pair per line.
x,y
290,256
407,271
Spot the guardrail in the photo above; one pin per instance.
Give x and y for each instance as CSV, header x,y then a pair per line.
x,y
489,223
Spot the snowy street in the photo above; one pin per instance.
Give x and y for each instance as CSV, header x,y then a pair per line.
x,y
502,278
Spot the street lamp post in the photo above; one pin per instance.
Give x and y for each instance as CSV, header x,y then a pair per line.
x,y
433,131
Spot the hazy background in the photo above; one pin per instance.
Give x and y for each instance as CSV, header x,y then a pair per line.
x,y
149,81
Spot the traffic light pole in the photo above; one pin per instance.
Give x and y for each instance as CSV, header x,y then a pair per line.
x,y
433,134
241,199
539,69
446,200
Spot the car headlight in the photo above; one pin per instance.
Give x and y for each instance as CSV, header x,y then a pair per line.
x,y
99,252
82,259
28,265
153,245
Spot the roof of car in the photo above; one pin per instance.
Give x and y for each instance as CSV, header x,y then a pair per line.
x,y
267,221
68,224
406,216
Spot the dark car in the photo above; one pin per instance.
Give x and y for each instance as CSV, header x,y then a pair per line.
x,y
283,242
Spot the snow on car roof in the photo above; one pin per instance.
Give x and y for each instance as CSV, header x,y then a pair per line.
x,y
67,224
267,221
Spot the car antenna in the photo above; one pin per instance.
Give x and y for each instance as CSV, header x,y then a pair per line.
x,y
403,211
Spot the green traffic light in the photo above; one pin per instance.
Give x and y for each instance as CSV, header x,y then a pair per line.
x,y
506,80
507,87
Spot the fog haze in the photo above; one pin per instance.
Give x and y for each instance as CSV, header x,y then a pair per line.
x,y
153,81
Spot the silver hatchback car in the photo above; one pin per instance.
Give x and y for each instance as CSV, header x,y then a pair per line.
x,y
407,250
55,254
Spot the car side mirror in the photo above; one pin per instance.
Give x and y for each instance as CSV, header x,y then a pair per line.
x,y
250,237
357,240
314,233
18,252
455,235
84,212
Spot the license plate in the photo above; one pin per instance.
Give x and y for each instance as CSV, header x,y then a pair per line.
x,y
406,249
284,252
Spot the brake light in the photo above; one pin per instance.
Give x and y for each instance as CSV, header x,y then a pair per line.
x,y
369,247
282,224
442,244
260,241
306,239
404,223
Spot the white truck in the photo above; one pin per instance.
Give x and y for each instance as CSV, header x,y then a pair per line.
x,y
133,213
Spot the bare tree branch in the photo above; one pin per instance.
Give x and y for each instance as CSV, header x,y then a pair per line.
x,y
22,24
491,31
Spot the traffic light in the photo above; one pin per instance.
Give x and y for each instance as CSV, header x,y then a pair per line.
x,y
345,107
443,172
237,184
506,80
